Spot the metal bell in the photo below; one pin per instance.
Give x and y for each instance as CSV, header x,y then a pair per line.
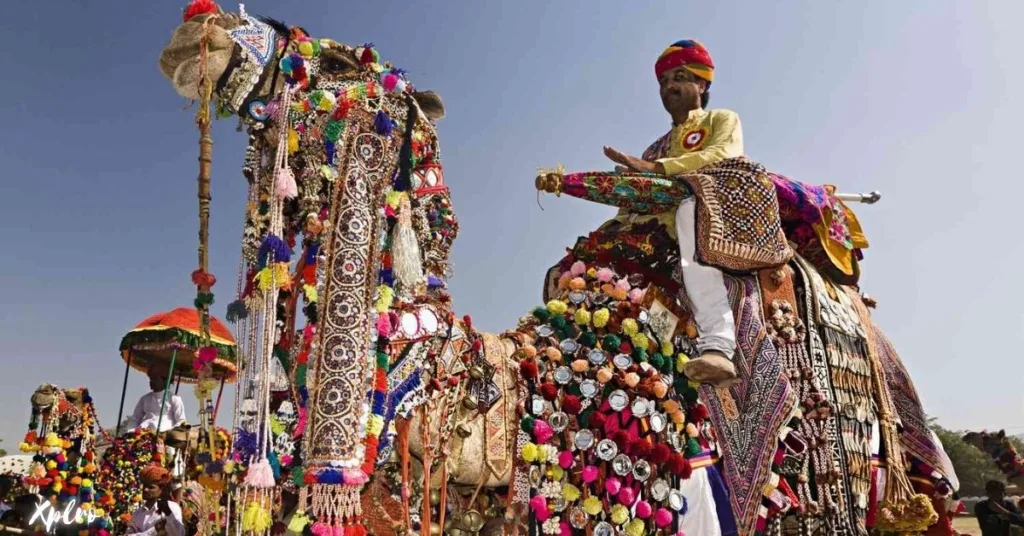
x,y
470,402
476,372
435,497
463,431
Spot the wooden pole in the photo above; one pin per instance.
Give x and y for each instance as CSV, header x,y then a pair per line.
x,y
205,163
124,389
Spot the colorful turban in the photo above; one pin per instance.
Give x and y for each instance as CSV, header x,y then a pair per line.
x,y
689,54
155,474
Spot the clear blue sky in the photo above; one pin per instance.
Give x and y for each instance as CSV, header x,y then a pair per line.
x,y
919,99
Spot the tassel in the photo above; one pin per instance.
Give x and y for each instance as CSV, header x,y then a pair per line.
x,y
407,263
284,184
320,529
298,522
382,123
256,518
260,475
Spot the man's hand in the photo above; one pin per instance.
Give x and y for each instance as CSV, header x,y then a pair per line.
x,y
630,162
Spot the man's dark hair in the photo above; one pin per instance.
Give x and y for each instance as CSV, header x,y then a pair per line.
x,y
995,486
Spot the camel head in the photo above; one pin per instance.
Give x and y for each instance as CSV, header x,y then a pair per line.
x,y
243,57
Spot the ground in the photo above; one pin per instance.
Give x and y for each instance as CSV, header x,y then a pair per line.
x,y
967,525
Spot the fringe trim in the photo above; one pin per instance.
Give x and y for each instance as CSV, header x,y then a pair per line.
x,y
335,505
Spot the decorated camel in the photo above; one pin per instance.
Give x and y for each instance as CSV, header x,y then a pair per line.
x,y
579,420
1001,450
64,470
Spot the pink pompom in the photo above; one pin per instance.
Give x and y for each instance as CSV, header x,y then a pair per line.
x,y
338,530
539,505
622,284
284,184
612,485
564,530
662,518
390,81
627,496
300,425
320,529
589,474
384,325
542,431
605,275
643,510
636,295
565,459
578,268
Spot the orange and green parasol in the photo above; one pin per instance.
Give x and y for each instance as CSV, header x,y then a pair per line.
x,y
174,337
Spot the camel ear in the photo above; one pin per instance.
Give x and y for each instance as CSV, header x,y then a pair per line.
x,y
430,103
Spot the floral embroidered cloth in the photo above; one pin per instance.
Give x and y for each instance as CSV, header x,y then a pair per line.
x,y
824,229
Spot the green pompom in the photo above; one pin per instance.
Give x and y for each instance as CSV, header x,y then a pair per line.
x,y
558,322
542,314
692,448
611,343
690,394
639,355
526,424
588,339
658,361
383,361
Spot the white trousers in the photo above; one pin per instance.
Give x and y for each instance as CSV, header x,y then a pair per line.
x,y
705,287
701,516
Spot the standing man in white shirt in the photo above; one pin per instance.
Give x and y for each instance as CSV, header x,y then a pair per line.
x,y
147,412
156,516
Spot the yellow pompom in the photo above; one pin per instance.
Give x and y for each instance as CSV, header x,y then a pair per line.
x,y
375,425
100,512
601,317
592,505
691,430
87,483
681,360
591,273
52,440
557,307
619,514
630,327
667,349
229,467
529,452
635,527
293,141
542,454
570,492
557,472
50,464
385,297
306,49
640,341
394,199
57,487
582,317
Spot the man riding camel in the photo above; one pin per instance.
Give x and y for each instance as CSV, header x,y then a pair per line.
x,y
699,138
153,409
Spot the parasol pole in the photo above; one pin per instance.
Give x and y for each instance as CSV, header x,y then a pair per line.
x,y
163,399
124,389
216,407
